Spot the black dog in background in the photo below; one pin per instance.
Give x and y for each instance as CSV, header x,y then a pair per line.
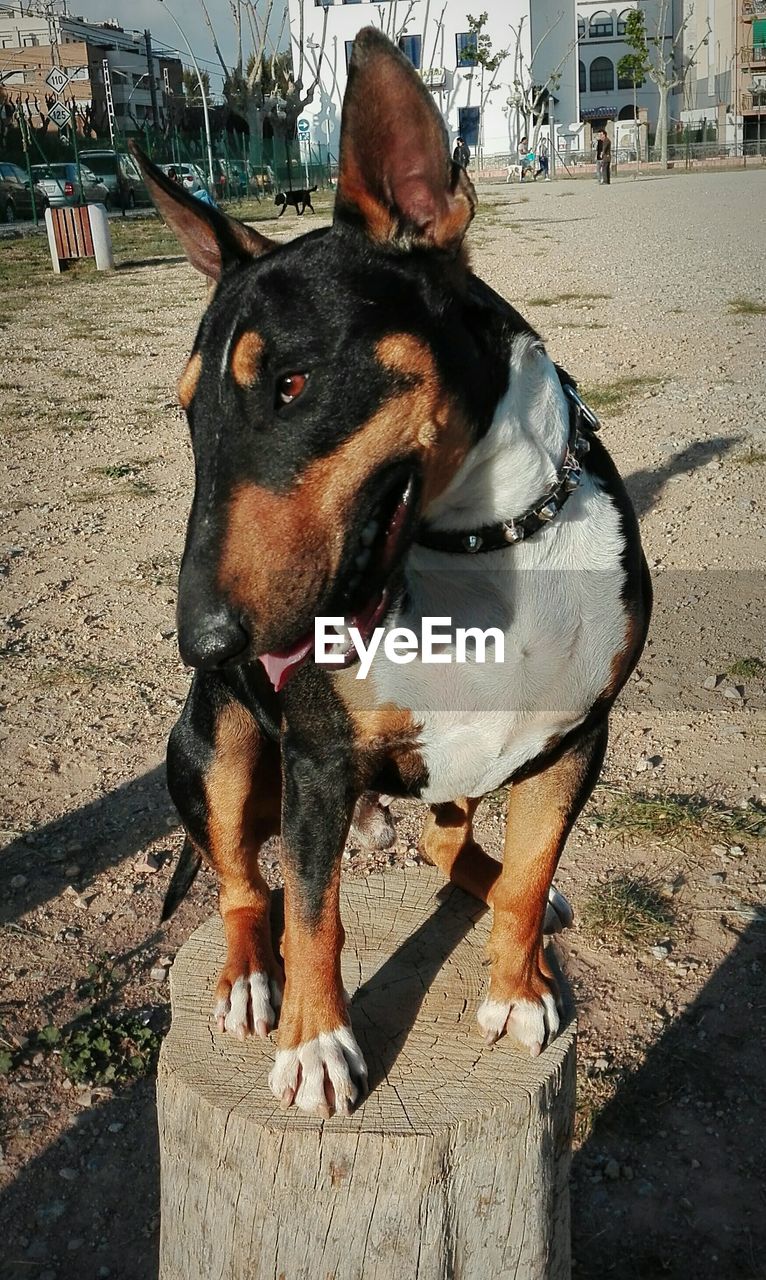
x,y
300,199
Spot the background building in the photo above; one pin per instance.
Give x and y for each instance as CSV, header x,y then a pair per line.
x,y
604,95
30,44
485,107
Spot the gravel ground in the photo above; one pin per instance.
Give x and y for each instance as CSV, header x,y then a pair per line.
x,y
632,287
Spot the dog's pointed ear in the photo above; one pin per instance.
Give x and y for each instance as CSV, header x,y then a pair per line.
x,y
211,240
396,177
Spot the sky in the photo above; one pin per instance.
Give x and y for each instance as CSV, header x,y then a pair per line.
x,y
139,14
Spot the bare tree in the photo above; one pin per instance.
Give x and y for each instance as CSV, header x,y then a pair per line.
x,y
530,90
666,67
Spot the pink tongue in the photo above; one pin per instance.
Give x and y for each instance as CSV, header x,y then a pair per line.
x,y
279,666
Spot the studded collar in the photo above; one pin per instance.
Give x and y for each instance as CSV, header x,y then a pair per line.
x,y
495,537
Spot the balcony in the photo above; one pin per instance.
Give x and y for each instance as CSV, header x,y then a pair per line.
x,y
753,55
753,104
751,9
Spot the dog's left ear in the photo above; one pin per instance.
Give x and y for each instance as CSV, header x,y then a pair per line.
x,y
211,240
396,177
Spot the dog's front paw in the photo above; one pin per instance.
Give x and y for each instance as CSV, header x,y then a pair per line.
x,y
322,1075
248,1005
531,1022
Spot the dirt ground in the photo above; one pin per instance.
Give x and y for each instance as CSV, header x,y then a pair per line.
x,y
653,294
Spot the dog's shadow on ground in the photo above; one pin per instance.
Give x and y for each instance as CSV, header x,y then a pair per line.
x,y
690,1127
646,487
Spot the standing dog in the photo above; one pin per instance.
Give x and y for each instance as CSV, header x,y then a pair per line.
x,y
300,200
378,435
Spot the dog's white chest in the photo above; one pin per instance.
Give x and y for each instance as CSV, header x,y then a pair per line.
x,y
557,601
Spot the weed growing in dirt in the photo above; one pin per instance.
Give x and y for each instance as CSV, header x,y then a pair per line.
x,y
747,669
104,1050
626,909
753,458
614,396
746,307
594,1093
670,816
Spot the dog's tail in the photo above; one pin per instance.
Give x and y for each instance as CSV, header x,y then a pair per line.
x,y
182,879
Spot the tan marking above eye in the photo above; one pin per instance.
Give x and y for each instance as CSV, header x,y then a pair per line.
x,y
246,358
187,383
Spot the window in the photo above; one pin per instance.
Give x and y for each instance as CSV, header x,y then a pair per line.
x,y
601,25
601,75
622,22
583,85
468,124
626,82
466,49
410,47
580,28
30,42
349,51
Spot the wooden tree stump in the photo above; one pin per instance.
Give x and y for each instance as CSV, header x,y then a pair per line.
x,y
455,1166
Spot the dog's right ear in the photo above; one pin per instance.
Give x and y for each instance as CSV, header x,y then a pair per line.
x,y
211,240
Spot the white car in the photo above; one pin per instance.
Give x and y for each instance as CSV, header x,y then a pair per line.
x,y
188,175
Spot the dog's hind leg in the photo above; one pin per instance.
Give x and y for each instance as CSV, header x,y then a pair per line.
x,y
542,809
448,843
319,1065
224,777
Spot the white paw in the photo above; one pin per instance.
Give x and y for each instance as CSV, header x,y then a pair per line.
x,y
558,913
530,1022
322,1075
250,1006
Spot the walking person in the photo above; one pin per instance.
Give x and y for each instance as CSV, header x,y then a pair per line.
x,y
461,155
526,158
604,158
542,160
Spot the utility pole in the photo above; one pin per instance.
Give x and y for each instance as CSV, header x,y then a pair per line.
x,y
152,85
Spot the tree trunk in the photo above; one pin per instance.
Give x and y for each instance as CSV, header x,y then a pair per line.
x,y
456,1164
662,125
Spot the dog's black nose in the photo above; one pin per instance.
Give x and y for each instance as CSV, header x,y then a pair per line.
x,y
211,640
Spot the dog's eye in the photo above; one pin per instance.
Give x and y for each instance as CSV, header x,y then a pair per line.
x,y
290,387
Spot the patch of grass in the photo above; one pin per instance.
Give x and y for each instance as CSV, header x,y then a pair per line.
x,y
584,324
753,458
558,298
626,908
138,488
612,397
594,1093
78,673
119,470
108,1049
666,817
746,307
747,669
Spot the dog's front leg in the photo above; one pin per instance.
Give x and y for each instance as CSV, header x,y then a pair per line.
x,y
319,1065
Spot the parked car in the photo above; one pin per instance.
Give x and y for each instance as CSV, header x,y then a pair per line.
x,y
61,185
120,175
188,175
16,195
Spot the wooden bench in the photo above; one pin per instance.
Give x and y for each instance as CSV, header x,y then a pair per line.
x,y
79,232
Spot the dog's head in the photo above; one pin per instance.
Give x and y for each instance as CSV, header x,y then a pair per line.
x,y
336,384
280,198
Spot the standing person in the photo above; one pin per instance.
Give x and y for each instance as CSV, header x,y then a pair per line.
x,y
542,159
604,158
461,155
525,160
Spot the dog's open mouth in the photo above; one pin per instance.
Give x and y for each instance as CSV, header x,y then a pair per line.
x,y
363,598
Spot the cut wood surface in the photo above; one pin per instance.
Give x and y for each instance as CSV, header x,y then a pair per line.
x,y
456,1164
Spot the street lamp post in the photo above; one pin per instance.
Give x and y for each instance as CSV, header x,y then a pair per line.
x,y
182,34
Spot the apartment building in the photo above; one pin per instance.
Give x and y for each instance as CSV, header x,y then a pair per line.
x,y
604,95
486,108
31,43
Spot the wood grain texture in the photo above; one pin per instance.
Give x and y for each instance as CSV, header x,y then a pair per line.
x,y
455,1166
